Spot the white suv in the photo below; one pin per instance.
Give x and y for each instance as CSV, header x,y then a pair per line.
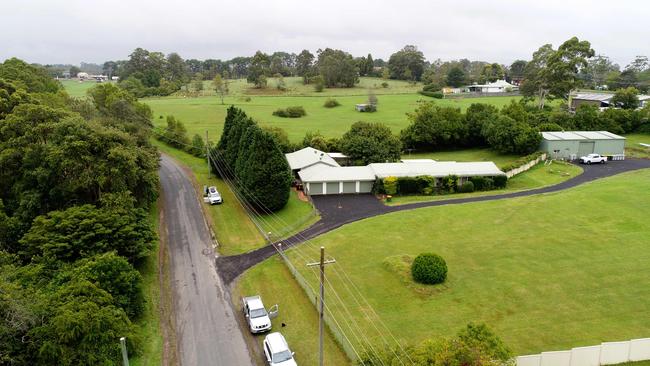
x,y
213,196
277,351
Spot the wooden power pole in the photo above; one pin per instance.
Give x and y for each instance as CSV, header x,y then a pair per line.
x,y
321,325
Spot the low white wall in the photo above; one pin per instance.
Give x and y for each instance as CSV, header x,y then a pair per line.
x,y
607,353
511,173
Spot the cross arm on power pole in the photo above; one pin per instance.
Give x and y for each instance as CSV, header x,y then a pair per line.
x,y
321,326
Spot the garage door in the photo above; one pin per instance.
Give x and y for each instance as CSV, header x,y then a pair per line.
x,y
366,187
332,187
349,187
315,188
585,148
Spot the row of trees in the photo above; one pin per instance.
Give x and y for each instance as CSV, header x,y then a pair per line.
x,y
251,156
76,180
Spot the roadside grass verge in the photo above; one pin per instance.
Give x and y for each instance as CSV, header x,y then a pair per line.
x,y
150,322
272,280
236,233
550,271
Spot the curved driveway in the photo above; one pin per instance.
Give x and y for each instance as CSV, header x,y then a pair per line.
x,y
338,210
206,330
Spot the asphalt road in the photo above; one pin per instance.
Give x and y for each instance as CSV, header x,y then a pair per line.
x,y
207,331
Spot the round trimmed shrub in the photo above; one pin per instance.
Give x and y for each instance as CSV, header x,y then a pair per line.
x,y
331,103
429,268
467,187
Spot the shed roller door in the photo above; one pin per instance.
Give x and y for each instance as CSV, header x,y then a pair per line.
x,y
585,148
315,188
365,187
332,188
349,187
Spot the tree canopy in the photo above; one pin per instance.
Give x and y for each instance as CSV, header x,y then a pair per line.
x,y
367,143
406,64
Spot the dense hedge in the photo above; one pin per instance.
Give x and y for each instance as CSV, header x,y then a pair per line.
x,y
429,268
331,103
426,185
434,94
290,112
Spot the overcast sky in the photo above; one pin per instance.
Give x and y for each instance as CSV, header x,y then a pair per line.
x,y
71,31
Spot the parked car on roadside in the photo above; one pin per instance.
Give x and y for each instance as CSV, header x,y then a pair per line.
x,y
277,351
214,197
593,159
257,317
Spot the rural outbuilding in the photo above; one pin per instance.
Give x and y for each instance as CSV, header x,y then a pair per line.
x,y
572,145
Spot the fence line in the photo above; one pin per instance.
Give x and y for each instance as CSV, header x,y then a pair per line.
x,y
512,172
607,353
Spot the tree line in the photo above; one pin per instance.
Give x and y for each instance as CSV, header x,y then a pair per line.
x,y
77,178
251,157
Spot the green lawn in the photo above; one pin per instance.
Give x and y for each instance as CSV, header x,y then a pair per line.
x,y
273,281
632,147
150,321
206,113
235,231
546,272
539,176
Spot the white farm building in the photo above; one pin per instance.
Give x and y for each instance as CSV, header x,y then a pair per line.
x,y
320,176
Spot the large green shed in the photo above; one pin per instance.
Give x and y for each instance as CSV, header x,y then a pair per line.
x,y
571,145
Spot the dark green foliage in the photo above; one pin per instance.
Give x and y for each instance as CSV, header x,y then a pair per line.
x,y
83,231
432,94
367,143
482,183
449,184
500,181
408,185
481,339
549,127
476,117
432,87
456,77
290,112
87,167
406,64
429,268
253,157
263,171
467,187
337,68
331,103
84,328
281,138
175,134
113,274
506,135
434,127
198,146
30,78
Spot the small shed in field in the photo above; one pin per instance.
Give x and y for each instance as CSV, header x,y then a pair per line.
x,y
572,145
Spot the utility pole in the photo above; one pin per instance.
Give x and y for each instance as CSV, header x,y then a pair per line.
x,y
125,357
321,325
207,151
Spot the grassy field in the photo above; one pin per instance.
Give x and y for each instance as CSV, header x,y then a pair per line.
x,y
632,147
206,113
273,281
546,272
77,89
150,321
539,176
233,228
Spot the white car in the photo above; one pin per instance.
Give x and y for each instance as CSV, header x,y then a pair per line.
x,y
593,159
277,351
213,196
259,320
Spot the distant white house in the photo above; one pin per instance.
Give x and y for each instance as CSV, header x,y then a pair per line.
x,y
499,86
82,75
